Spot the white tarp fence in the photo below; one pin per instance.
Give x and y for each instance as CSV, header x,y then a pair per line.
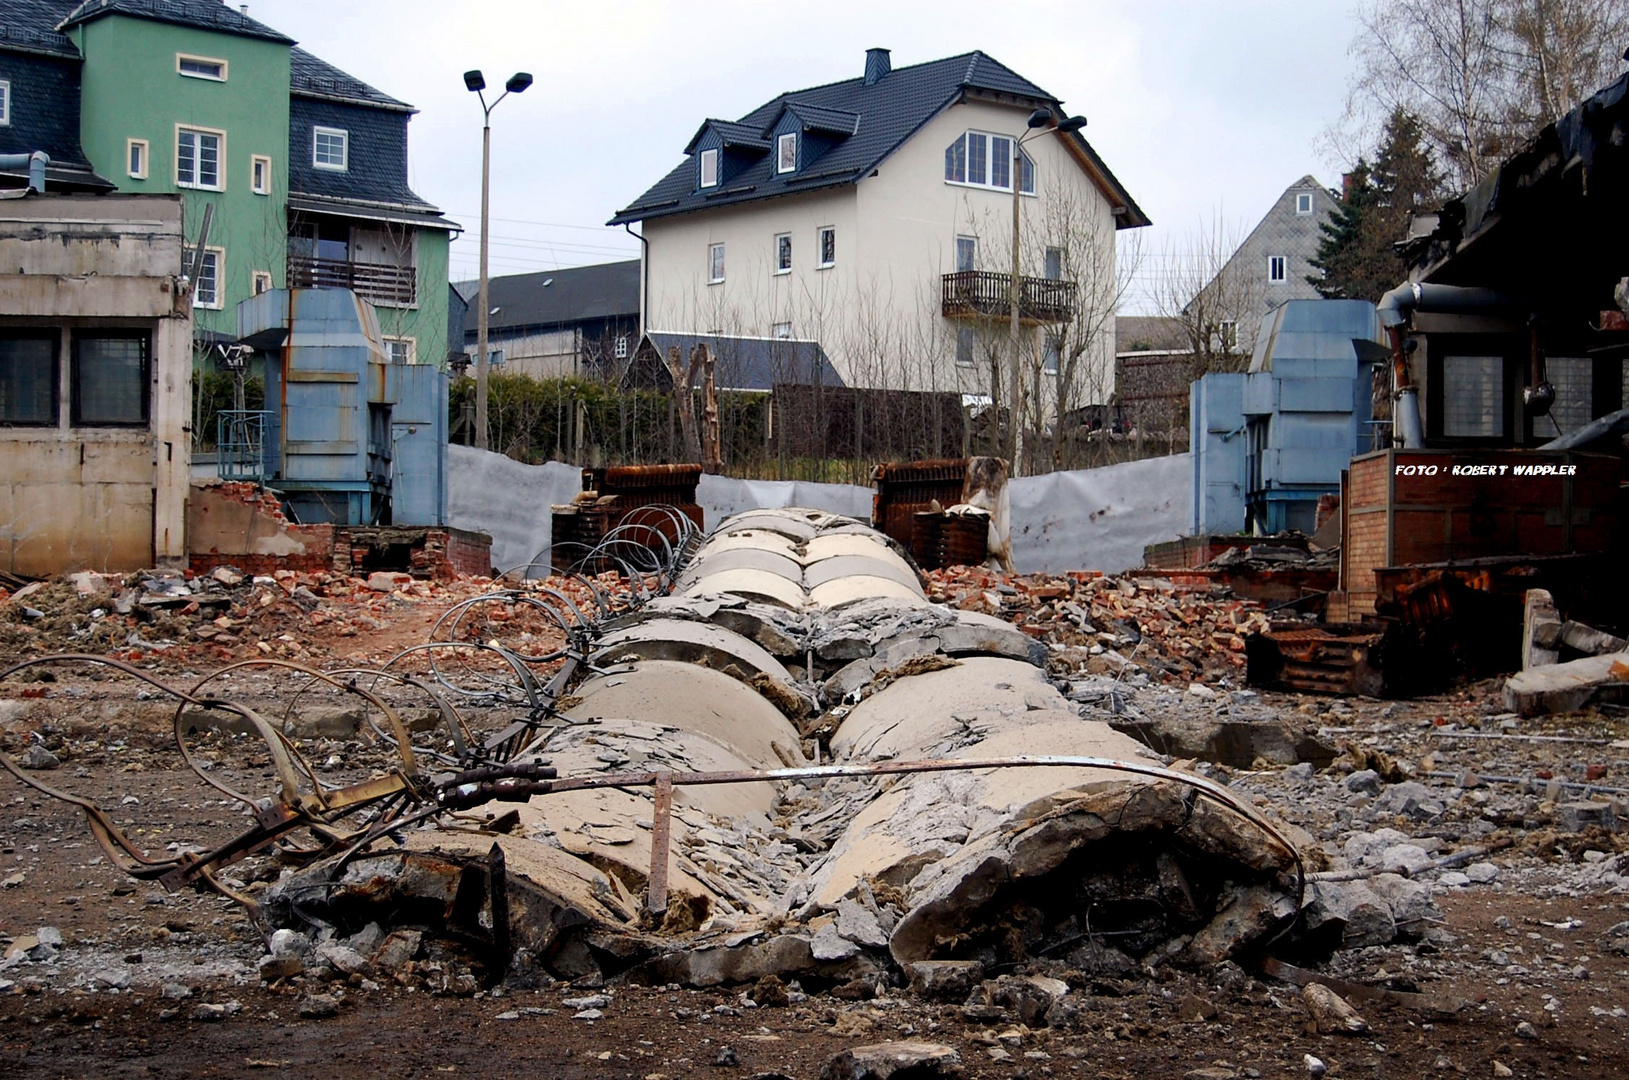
x,y
1089,519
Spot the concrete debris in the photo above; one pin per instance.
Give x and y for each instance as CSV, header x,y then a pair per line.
x,y
882,1061
1568,687
1331,1015
1541,627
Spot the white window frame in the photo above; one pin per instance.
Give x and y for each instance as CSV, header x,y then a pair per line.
x,y
709,158
821,262
5,102
989,164
786,152
619,347
130,146
781,331
783,238
1303,198
344,149
182,57
219,302
220,157
1283,267
715,263
255,161
412,348
256,278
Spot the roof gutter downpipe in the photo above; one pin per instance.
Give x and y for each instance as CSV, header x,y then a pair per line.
x,y
36,162
644,276
1395,308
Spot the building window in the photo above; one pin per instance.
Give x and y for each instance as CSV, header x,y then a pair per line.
x,y
260,174
28,377
964,346
715,263
200,67
1049,354
5,101
786,152
1227,335
984,160
1574,380
135,158
110,379
261,281
620,348
709,168
781,330
967,252
1303,202
208,291
827,239
330,148
198,158
1475,407
401,350
783,253
1054,264
1278,268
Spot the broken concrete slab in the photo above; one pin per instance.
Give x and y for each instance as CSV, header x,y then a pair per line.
x,y
1568,687
882,1061
1541,627
1238,744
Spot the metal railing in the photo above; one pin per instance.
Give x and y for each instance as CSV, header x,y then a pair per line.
x,y
240,444
372,281
983,293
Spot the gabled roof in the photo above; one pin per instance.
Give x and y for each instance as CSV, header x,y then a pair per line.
x,y
886,112
557,297
198,14
732,133
31,26
313,77
749,363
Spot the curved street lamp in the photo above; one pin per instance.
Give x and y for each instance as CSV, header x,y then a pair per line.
x,y
1040,122
475,82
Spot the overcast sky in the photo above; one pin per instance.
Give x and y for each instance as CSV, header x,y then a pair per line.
x,y
1202,108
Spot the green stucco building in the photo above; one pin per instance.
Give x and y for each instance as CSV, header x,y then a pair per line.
x,y
303,165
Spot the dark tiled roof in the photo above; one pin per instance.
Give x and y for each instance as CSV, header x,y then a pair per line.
x,y
376,153
752,363
31,26
732,133
199,14
313,76
888,112
817,118
559,297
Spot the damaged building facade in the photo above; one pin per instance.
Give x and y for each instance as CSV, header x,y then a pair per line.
x,y
95,383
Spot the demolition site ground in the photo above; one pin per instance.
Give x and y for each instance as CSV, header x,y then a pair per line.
x,y
1514,964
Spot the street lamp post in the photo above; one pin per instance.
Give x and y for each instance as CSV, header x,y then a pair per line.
x,y
1040,122
476,83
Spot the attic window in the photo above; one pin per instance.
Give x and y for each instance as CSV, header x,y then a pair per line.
x,y
5,101
1303,202
709,168
200,67
786,152
330,148
979,159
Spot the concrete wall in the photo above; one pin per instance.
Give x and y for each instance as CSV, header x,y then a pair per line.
x,y
877,310
1090,519
98,497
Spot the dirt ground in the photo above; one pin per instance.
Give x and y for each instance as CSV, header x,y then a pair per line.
x,y
155,984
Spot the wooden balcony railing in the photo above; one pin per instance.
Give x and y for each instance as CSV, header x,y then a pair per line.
x,y
381,284
981,294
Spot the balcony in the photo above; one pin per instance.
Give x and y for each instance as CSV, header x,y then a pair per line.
x,y
979,294
396,286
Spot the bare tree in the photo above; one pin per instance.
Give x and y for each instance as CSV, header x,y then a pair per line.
x,y
1481,75
1216,302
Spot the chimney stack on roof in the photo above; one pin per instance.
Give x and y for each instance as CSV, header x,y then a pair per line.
x,y
877,66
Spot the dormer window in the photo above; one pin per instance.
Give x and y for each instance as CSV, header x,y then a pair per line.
x,y
786,152
709,168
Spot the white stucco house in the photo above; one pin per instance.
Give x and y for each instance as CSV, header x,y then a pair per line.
x,y
874,216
